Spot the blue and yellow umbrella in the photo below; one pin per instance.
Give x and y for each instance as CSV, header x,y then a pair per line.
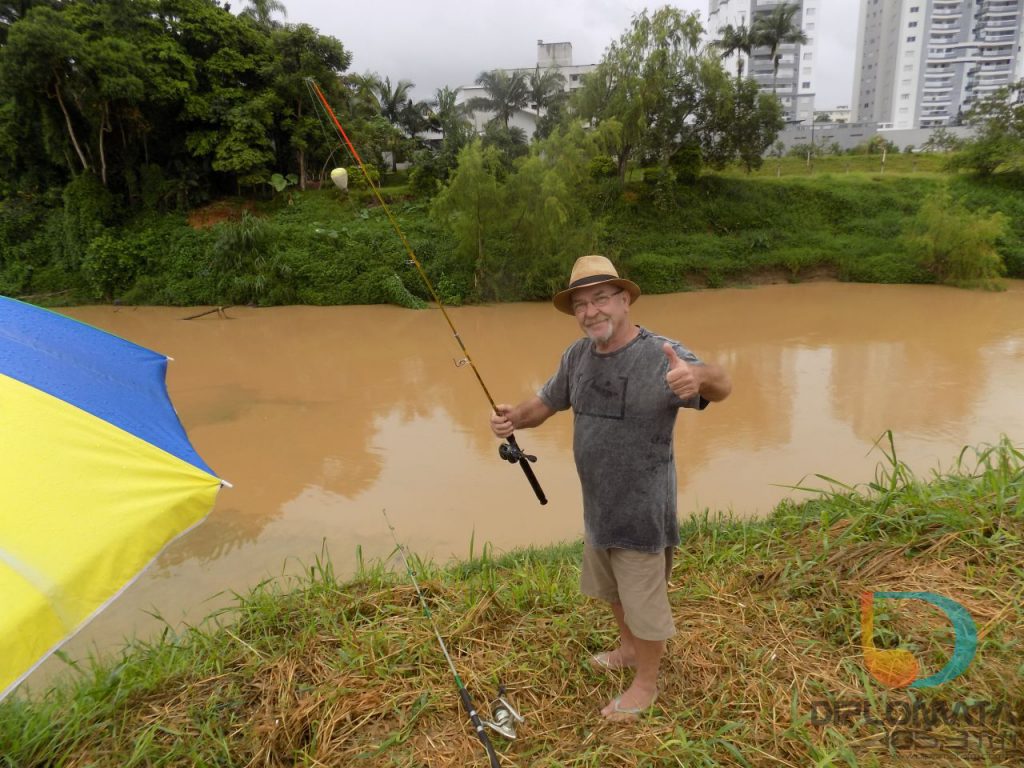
x,y
97,476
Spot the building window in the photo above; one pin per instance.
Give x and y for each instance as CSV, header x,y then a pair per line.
x,y
805,84
808,56
911,39
912,24
915,8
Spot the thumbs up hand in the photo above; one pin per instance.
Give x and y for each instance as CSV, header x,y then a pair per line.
x,y
682,378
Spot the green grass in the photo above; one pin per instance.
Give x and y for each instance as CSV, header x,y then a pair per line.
x,y
852,165
842,218
329,671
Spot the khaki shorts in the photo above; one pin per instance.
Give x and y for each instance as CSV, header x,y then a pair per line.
x,y
637,580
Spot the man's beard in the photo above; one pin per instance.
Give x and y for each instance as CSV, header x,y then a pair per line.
x,y
602,337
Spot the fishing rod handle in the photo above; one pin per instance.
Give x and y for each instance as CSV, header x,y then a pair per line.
x,y
481,732
528,471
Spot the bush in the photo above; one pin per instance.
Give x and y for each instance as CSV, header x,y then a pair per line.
x,y
956,245
356,179
602,167
655,273
108,266
885,267
88,208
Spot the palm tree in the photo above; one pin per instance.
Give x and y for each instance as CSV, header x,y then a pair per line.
x,y
506,94
414,117
739,40
545,88
360,92
776,29
447,112
395,105
261,11
393,99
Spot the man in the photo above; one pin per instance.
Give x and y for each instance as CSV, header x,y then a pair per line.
x,y
624,385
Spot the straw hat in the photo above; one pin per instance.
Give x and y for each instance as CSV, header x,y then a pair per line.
x,y
592,270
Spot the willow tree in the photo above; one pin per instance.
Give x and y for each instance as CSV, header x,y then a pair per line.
x,y
648,81
472,206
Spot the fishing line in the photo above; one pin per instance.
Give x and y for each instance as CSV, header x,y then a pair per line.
x,y
510,450
467,702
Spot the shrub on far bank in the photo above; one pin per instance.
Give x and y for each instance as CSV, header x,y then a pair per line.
x,y
955,244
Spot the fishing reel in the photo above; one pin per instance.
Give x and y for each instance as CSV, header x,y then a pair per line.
x,y
503,716
513,454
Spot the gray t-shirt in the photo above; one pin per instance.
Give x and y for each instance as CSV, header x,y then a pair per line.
x,y
624,414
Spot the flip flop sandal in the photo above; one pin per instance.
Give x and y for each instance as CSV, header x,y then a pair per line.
x,y
602,660
629,714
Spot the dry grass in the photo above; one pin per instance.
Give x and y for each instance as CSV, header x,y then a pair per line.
x,y
325,673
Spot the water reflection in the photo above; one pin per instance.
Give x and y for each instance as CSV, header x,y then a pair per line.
x,y
321,417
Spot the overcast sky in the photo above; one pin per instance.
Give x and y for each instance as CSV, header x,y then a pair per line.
x,y
450,42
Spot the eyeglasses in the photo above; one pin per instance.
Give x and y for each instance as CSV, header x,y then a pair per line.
x,y
600,302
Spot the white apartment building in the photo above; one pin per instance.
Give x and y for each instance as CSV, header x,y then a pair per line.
x,y
921,63
795,82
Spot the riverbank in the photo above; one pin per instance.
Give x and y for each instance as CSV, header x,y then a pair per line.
x,y
324,247
766,668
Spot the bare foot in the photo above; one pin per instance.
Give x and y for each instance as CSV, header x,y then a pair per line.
x,y
630,705
617,659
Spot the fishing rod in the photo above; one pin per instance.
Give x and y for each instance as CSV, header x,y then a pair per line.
x,y
509,450
503,717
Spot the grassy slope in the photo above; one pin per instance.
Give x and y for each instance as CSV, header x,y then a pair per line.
x,y
325,672
844,220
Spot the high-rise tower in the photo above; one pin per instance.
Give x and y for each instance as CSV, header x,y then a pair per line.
x,y
922,63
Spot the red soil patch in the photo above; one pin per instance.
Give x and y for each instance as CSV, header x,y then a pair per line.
x,y
218,211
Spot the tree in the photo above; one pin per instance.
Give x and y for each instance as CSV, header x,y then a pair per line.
x,y
519,229
301,52
392,99
998,144
414,117
511,143
360,95
506,94
955,244
545,88
736,120
941,140
776,29
448,113
13,10
228,118
649,83
738,40
261,10
38,68
472,205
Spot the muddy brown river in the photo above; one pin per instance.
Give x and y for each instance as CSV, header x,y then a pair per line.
x,y
321,417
